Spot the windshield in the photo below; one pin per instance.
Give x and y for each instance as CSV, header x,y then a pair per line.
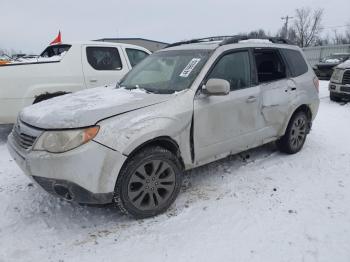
x,y
167,71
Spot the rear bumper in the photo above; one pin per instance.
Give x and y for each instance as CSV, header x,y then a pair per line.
x,y
85,175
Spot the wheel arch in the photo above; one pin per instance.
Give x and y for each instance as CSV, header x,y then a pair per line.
x,y
164,142
302,108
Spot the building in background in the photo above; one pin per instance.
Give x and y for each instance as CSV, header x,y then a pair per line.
x,y
151,45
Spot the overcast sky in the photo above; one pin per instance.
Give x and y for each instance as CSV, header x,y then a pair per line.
x,y
30,25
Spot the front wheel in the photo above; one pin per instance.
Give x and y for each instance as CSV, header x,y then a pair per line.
x,y
295,136
148,183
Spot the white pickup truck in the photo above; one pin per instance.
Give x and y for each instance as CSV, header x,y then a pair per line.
x,y
61,69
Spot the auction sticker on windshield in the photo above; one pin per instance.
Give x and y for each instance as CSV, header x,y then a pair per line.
x,y
191,65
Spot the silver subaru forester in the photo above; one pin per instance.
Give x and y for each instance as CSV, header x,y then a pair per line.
x,y
186,105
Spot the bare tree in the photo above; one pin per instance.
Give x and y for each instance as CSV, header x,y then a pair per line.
x,y
307,25
257,33
347,33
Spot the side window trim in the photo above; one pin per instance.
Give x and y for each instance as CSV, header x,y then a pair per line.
x,y
286,64
227,52
253,68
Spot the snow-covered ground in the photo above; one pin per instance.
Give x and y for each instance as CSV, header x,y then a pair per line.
x,y
257,206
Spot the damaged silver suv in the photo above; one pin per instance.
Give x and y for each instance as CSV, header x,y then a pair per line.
x,y
186,105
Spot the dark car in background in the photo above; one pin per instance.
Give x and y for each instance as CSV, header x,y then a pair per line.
x,y
324,69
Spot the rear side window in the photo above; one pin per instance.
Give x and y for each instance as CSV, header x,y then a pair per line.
x,y
104,58
269,65
135,56
295,61
55,50
235,68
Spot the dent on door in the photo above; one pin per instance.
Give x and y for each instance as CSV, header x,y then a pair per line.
x,y
276,100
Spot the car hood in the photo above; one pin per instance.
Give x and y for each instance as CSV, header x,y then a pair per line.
x,y
86,108
344,65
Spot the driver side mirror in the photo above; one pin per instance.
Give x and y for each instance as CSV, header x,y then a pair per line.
x,y
216,87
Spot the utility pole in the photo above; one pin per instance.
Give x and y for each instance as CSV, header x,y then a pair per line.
x,y
286,19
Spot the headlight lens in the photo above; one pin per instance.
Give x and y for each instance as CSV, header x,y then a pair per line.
x,y
336,76
62,141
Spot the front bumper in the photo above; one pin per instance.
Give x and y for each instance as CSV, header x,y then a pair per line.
x,y
339,90
86,174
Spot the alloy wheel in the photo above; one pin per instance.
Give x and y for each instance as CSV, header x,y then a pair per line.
x,y
298,132
151,185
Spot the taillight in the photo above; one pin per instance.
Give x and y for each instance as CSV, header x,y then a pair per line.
x,y
317,84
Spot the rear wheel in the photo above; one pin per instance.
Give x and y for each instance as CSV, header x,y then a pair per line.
x,y
295,136
148,183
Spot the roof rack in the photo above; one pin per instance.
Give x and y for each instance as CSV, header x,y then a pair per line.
x,y
237,38
199,40
226,40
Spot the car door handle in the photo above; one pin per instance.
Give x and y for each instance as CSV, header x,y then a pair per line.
x,y
93,80
251,99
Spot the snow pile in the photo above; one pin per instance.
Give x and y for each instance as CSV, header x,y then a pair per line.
x,y
260,205
39,59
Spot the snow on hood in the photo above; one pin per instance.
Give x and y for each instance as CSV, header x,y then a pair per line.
x,y
86,108
344,65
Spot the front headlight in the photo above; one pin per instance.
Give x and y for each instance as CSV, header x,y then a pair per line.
x,y
65,140
336,76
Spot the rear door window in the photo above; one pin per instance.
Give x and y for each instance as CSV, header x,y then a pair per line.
x,y
269,65
135,56
235,68
55,50
104,58
296,62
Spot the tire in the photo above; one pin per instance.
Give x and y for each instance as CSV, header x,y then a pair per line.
x,y
333,97
148,183
295,136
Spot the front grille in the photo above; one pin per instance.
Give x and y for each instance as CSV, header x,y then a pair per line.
x,y
345,89
24,136
23,140
346,78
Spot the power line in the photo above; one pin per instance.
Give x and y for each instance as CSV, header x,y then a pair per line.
x,y
336,26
